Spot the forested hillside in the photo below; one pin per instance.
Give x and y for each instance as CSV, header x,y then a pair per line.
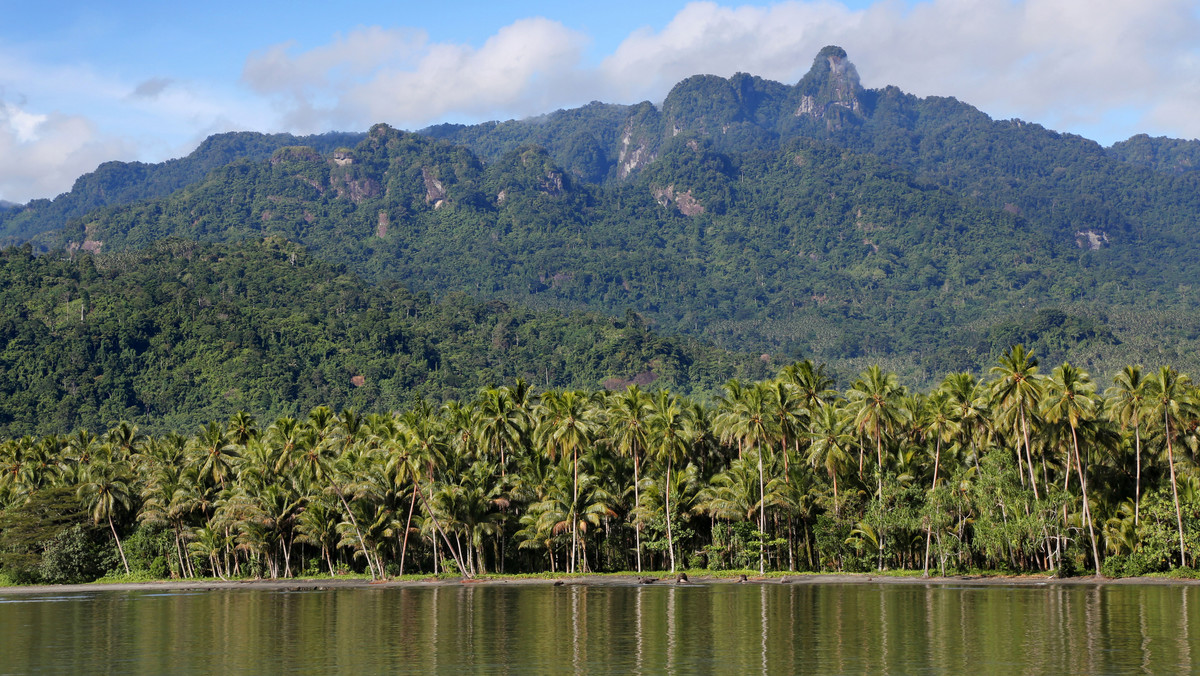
x,y
181,333
114,183
822,219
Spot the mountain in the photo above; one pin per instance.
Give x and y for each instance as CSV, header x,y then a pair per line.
x,y
115,183
819,219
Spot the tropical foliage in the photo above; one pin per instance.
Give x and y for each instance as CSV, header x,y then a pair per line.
x,y
1023,472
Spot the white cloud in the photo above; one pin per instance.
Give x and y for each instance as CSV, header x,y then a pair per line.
x,y
44,153
372,75
1065,63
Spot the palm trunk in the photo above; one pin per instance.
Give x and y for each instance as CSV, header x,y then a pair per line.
x,y
762,514
1175,490
407,527
1137,485
670,540
1028,454
1087,512
637,526
574,503
354,522
937,461
879,532
119,547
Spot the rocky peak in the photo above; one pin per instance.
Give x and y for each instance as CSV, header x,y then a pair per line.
x,y
831,83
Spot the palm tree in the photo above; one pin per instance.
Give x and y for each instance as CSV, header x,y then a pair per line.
x,y
747,418
569,424
939,421
671,430
106,492
1126,403
1169,393
1070,398
501,423
1018,390
627,424
874,401
832,435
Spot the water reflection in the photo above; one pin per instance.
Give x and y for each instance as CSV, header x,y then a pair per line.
x,y
497,629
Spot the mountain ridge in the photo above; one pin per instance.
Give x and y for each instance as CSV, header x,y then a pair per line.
x,y
820,219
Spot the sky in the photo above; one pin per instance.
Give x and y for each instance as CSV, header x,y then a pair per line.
x,y
146,80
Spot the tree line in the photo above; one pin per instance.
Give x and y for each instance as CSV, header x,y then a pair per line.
x,y
1021,471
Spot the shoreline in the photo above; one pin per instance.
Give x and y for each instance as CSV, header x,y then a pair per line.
x,y
587,580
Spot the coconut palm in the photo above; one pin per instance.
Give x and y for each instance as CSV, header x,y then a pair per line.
x,y
874,401
627,431
832,435
569,424
746,416
670,432
1017,391
1069,399
1126,403
1171,403
105,493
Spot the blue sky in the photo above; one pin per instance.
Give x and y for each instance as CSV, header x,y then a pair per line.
x,y
81,84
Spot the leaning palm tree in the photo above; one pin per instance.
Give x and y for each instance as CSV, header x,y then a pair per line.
x,y
1126,403
1170,404
105,492
1069,398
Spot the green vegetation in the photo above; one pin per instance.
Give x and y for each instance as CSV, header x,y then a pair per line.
x,y
1022,472
180,333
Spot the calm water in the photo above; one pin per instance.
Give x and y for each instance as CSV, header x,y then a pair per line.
x,y
723,628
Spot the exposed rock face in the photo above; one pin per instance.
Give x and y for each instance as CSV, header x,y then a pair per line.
x,y
684,201
382,227
633,156
435,192
831,85
359,189
552,183
1091,239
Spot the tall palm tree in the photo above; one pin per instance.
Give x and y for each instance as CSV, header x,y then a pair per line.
x,y
671,431
1069,399
874,400
105,492
569,425
832,434
940,422
1126,402
1018,390
627,431
1170,404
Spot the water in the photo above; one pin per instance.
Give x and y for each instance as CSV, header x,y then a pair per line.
x,y
540,629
